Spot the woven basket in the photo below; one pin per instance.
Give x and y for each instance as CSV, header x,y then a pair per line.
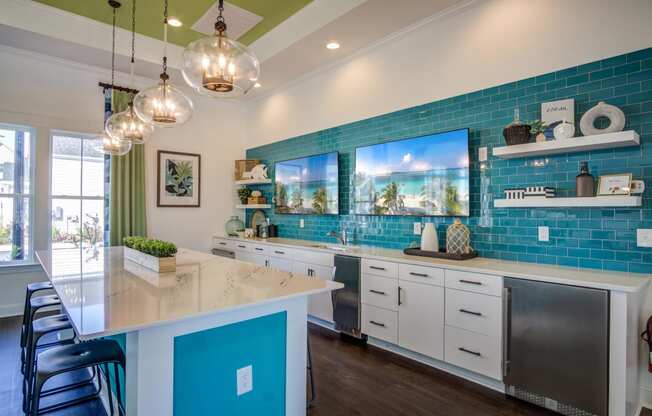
x,y
242,166
517,134
253,200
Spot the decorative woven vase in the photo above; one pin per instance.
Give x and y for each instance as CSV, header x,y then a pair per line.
x,y
458,238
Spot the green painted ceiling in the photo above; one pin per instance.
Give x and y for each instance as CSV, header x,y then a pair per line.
x,y
149,15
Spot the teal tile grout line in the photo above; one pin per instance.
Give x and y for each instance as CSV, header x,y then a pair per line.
x,y
587,238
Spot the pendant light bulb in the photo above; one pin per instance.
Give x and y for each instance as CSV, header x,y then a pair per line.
x,y
110,146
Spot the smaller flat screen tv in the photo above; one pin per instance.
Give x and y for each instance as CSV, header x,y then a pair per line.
x,y
308,185
421,176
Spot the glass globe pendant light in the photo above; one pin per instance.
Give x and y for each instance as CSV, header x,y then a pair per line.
x,y
127,125
218,66
163,105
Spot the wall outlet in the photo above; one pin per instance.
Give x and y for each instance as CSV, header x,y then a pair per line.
x,y
644,237
245,380
417,228
544,234
301,224
482,154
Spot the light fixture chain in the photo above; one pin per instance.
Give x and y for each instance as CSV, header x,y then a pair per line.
x,y
113,50
133,40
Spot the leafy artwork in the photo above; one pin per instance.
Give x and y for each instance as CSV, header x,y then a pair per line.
x,y
178,178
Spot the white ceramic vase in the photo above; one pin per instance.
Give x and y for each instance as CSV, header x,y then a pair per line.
x,y
614,114
564,130
429,240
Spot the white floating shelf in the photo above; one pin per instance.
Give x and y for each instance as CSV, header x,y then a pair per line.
x,y
253,182
579,202
254,206
575,144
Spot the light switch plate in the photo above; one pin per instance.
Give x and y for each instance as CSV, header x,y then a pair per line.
x,y
544,233
482,154
245,380
417,228
644,237
301,223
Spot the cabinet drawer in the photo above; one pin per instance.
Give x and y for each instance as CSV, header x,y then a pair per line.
x,y
475,282
421,274
474,312
223,243
260,249
380,268
380,291
313,257
281,252
242,246
380,323
475,352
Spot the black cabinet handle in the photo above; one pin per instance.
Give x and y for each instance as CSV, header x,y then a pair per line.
x,y
399,296
377,323
279,252
378,292
222,243
470,312
266,263
477,354
376,268
242,246
470,282
259,249
418,274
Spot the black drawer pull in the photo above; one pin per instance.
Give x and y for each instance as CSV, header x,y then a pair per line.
x,y
259,249
470,282
470,312
378,292
377,268
477,354
377,323
222,243
242,246
279,252
418,274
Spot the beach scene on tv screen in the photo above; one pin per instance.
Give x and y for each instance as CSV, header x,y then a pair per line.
x,y
426,175
307,185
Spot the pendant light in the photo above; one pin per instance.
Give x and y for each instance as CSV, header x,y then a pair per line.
x,y
218,66
126,125
107,144
163,105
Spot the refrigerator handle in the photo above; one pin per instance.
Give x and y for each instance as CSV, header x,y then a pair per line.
x,y
507,328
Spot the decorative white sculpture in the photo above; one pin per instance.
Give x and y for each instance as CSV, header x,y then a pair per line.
x,y
259,172
614,114
564,130
429,240
256,194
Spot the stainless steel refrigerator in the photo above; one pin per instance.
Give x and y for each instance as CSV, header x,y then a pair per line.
x,y
557,346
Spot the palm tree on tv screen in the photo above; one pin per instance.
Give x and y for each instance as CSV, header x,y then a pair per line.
x,y
392,200
453,206
319,200
296,202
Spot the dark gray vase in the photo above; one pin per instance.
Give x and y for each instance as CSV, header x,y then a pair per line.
x,y
584,183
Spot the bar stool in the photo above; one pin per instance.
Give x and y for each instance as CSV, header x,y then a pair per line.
x,y
35,304
313,395
69,358
29,292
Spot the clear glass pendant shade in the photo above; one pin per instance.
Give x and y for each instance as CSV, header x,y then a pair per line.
x,y
163,105
127,126
220,67
110,146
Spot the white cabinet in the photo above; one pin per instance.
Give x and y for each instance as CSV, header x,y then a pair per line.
x,y
319,305
473,351
421,318
280,264
258,259
380,292
380,323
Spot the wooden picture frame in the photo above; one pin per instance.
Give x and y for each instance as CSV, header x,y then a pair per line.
x,y
616,184
174,189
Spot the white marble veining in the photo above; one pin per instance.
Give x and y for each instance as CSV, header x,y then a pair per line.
x,y
105,295
618,281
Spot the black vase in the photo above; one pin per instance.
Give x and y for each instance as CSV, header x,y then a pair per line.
x,y
584,183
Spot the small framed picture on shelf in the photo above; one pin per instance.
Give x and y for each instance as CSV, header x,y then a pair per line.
x,y
619,184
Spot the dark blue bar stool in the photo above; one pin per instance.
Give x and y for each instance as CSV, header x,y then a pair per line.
x,y
313,394
68,358
35,304
29,292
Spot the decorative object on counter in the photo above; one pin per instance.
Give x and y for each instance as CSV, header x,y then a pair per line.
x,y
154,254
256,197
564,130
516,132
244,194
263,231
514,193
272,230
258,219
554,112
637,187
546,191
242,166
234,226
416,251
614,114
619,184
179,179
537,129
249,233
429,239
458,238
258,172
584,183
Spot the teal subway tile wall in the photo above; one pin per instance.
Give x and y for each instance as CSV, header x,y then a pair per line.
x,y
588,238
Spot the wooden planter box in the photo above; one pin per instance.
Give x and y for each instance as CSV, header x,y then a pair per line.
x,y
158,264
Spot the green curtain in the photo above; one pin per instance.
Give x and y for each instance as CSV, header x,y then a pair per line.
x,y
127,215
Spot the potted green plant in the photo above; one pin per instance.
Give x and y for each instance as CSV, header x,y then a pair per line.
x,y
244,194
154,254
537,129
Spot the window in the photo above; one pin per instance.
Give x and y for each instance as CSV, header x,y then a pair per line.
x,y
16,205
77,192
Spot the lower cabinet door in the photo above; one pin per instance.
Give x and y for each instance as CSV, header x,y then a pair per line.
x,y
280,264
421,319
320,305
258,259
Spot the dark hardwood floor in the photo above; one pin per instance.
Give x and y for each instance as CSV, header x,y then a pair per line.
x,y
355,380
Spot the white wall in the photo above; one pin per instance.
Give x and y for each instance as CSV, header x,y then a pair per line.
x,y
485,44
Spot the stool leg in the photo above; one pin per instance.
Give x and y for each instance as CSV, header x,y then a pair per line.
x,y
36,395
118,393
105,367
313,395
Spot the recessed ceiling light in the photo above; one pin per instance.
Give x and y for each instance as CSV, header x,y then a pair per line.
x,y
332,45
174,22
257,85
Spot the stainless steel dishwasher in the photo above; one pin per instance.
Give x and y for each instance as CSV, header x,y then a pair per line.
x,y
557,346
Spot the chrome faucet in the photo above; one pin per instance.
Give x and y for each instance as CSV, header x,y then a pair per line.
x,y
342,238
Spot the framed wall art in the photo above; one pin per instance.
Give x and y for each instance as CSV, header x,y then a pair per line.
x,y
179,179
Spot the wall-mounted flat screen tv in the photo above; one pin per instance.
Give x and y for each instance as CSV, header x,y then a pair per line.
x,y
422,176
308,185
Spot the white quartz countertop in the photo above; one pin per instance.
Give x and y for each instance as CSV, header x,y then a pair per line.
x,y
599,279
103,294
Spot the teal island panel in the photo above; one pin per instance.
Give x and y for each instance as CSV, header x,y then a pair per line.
x,y
206,362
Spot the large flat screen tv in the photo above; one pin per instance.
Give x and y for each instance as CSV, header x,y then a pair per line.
x,y
308,185
422,176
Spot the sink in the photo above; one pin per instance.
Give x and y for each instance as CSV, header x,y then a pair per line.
x,y
326,247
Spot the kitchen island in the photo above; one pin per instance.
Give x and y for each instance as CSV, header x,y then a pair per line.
x,y
187,333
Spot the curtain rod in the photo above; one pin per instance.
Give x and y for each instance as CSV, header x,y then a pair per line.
x,y
117,87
